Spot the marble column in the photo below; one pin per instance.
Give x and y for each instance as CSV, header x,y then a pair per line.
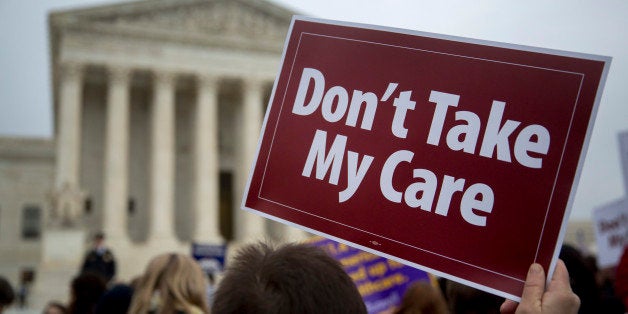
x,y
68,198
249,226
206,198
162,159
116,165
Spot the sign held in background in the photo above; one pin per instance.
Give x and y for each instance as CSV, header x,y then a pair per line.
x,y
211,257
610,223
381,282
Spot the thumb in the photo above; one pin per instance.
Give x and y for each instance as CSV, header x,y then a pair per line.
x,y
533,288
560,279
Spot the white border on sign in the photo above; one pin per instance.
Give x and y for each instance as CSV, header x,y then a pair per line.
x,y
606,61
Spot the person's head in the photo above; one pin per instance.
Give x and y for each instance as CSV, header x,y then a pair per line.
x,y
582,278
115,300
86,289
422,298
171,282
292,278
99,239
7,295
468,300
55,308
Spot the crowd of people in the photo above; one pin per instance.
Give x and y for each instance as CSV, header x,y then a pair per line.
x,y
300,278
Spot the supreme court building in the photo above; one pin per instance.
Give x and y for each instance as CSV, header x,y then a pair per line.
x,y
158,107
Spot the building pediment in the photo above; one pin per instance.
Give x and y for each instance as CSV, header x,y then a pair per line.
x,y
256,24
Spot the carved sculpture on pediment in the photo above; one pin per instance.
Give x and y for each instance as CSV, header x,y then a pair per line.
x,y
220,18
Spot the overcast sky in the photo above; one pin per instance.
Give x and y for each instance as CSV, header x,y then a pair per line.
x,y
593,26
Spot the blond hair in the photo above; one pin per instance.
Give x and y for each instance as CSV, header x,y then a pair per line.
x,y
171,282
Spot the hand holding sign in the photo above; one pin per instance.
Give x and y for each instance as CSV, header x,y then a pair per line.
x,y
558,298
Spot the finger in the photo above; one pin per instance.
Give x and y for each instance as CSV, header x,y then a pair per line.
x,y
534,287
509,306
560,278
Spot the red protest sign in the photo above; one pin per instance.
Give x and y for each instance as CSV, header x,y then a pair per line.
x,y
452,155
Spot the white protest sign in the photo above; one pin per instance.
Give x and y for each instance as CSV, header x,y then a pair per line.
x,y
611,232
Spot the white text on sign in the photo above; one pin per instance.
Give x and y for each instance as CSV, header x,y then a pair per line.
x,y
530,144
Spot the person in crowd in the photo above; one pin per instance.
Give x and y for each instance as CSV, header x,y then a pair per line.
x,y
582,279
462,299
422,298
172,283
55,307
605,279
7,295
23,290
86,290
537,298
299,278
292,278
115,300
621,278
211,288
100,260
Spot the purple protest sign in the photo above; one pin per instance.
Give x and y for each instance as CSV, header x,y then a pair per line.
x,y
381,282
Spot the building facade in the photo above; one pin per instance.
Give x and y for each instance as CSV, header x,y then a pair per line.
x,y
26,176
158,107
157,111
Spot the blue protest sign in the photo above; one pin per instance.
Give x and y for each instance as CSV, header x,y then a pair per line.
x,y
211,257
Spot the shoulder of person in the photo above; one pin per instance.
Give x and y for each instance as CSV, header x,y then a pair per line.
x,y
108,256
91,254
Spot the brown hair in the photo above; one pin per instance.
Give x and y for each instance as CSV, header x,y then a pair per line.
x,y
422,298
86,289
7,295
178,282
465,299
293,278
